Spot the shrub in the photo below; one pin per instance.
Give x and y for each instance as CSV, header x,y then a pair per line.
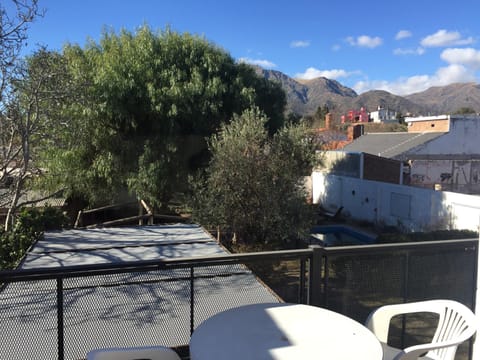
x,y
253,186
386,238
29,227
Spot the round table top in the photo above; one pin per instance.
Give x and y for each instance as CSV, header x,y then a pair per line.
x,y
283,331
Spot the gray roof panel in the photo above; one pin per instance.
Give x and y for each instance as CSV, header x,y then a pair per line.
x,y
120,244
390,145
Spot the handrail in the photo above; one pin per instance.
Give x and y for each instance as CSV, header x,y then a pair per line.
x,y
313,278
7,276
373,248
59,274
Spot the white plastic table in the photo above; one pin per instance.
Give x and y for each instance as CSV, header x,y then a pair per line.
x,y
280,332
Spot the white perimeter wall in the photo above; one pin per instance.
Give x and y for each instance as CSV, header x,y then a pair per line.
x,y
415,209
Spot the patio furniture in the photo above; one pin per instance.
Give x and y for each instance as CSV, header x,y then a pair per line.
x,y
456,324
140,353
282,331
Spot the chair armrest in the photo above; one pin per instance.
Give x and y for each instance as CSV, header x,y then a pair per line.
x,y
414,352
379,320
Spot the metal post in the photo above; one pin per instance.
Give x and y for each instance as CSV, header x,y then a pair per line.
x,y
475,347
315,293
301,286
60,332
405,294
362,164
325,279
192,299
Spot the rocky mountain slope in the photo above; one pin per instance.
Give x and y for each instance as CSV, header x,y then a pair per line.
x,y
371,100
450,98
305,96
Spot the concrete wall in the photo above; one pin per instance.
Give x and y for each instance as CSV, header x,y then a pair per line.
x,y
412,208
447,175
452,161
361,165
462,139
341,163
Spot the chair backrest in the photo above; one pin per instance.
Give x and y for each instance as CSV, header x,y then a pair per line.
x,y
137,353
456,324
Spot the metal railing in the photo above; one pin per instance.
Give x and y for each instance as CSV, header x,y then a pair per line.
x,y
162,301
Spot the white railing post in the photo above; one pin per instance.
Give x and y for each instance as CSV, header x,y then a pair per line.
x,y
476,343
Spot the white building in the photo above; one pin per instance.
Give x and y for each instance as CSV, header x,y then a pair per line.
x,y
449,162
442,152
383,115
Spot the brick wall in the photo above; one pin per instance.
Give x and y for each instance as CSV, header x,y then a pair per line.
x,y
429,125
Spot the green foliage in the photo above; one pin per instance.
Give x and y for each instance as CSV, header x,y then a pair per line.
x,y
28,121
140,96
464,111
29,227
384,127
155,179
317,120
253,185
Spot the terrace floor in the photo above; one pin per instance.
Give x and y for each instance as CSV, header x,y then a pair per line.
x,y
96,291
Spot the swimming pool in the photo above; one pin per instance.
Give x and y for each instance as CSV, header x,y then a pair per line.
x,y
338,235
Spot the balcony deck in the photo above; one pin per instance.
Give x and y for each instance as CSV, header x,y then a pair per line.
x,y
44,312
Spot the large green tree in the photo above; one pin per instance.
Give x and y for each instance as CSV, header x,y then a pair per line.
x,y
254,184
148,101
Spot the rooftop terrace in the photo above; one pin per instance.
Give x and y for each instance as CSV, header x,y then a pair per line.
x,y
155,290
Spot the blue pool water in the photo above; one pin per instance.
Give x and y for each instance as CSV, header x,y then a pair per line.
x,y
337,235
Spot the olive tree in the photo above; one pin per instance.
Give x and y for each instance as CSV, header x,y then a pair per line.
x,y
254,185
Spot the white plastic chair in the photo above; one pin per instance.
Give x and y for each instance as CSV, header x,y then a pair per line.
x,y
135,353
456,324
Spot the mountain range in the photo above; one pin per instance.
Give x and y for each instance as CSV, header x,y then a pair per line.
x,y
305,96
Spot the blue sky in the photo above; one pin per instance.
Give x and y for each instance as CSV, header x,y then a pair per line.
x,y
402,46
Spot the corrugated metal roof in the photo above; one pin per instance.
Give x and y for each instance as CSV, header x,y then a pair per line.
x,y
390,145
119,244
131,309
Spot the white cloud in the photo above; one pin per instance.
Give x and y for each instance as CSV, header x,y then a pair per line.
x,y
463,65
312,73
365,41
398,87
403,34
467,56
403,86
300,44
266,64
453,73
418,51
445,38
